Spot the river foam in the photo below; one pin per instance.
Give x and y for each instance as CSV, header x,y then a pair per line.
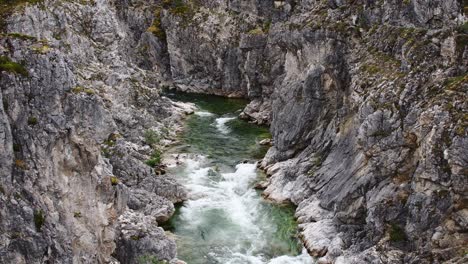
x,y
220,124
225,212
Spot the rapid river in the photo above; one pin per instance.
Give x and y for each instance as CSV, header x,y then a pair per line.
x,y
226,220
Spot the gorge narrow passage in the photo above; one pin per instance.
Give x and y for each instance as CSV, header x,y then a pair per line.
x,y
225,219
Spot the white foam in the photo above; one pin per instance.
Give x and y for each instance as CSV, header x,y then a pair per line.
x,y
204,113
232,195
220,124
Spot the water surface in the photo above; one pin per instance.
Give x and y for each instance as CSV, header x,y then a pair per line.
x,y
226,220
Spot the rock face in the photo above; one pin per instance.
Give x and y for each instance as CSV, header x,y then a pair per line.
x,y
366,101
77,100
367,106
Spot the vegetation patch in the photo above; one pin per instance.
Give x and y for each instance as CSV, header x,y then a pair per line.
x,y
77,214
7,65
151,137
18,36
156,27
42,49
108,144
16,147
21,164
39,219
397,233
32,120
256,31
114,180
150,260
463,28
155,159
180,8
7,7
81,89
456,82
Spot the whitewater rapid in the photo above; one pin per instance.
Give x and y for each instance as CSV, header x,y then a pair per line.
x,y
224,218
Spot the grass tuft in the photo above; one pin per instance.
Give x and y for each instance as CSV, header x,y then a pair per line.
x,y
7,65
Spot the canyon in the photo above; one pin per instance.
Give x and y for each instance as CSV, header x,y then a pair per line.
x,y
366,102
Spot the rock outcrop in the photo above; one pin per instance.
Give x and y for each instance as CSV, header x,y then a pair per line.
x,y
367,106
79,105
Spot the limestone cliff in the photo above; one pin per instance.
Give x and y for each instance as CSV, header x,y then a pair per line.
x,y
79,117
366,101
367,106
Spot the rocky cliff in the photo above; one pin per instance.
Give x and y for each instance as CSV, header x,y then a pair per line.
x,y
366,101
80,115
367,106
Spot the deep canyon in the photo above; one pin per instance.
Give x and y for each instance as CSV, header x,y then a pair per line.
x,y
365,100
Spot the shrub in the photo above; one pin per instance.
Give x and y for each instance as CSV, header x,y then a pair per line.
x,y
155,159
151,137
39,219
7,65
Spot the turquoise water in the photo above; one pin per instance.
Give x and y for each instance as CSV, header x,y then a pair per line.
x,y
226,220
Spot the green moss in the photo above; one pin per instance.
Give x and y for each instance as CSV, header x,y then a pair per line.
x,y
7,65
18,36
114,180
81,89
256,31
155,159
32,120
39,219
397,233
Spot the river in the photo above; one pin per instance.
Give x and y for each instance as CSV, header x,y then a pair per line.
x,y
225,219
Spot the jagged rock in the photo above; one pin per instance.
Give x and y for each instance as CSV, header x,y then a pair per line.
x,y
140,236
150,204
